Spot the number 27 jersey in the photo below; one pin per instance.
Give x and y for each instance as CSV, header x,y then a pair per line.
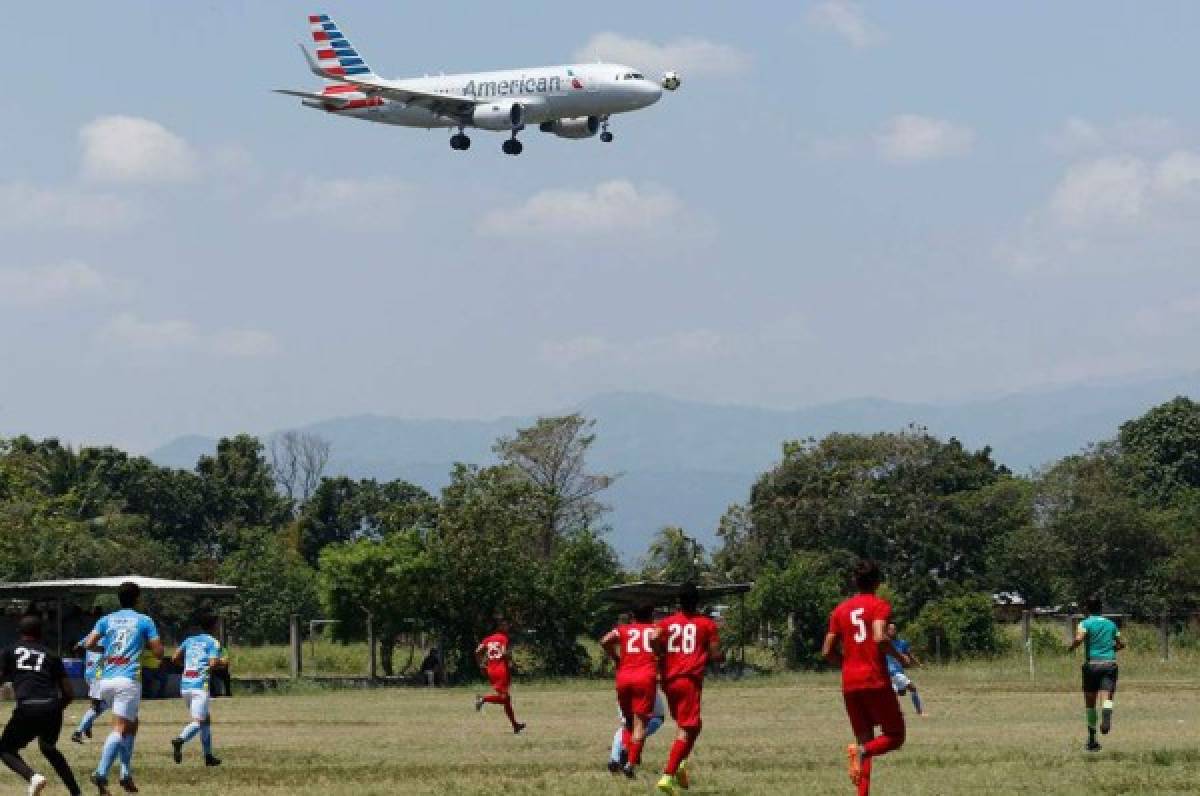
x,y
687,638
863,663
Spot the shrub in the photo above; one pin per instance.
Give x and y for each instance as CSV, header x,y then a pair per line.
x,y
964,624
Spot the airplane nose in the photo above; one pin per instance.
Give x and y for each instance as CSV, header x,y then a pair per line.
x,y
652,91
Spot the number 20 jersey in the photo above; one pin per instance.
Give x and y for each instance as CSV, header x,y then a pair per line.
x,y
863,662
637,654
687,638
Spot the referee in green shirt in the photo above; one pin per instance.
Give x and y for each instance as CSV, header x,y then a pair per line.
x,y
1100,639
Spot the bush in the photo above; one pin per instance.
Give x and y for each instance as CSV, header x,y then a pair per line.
x,y
965,626
1047,639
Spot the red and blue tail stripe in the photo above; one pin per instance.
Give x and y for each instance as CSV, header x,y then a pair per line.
x,y
335,54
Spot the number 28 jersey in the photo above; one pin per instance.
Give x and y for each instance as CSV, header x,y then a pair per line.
x,y
863,661
687,638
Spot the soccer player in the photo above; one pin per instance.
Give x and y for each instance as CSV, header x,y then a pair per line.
x,y
686,642
620,750
122,636
92,666
43,692
858,641
198,655
495,660
632,647
1101,639
901,683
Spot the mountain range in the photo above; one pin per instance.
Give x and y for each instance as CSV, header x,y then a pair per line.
x,y
683,463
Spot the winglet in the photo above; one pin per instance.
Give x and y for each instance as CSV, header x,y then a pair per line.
x,y
312,64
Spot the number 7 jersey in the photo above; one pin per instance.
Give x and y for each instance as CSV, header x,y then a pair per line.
x,y
863,661
687,638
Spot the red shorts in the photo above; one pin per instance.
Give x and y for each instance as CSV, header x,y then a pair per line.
x,y
871,708
501,680
683,698
636,693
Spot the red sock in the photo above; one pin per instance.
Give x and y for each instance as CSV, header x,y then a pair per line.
x,y
495,699
864,782
690,744
508,711
635,751
679,750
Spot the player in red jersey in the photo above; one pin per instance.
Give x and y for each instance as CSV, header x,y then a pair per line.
x,y
858,641
686,642
495,660
632,647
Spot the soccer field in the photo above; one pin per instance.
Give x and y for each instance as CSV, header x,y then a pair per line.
x,y
770,735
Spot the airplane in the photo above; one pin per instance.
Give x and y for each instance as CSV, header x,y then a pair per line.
x,y
573,101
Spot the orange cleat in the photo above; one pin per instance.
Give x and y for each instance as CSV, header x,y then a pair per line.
x,y
854,762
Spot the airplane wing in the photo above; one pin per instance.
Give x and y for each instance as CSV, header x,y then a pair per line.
x,y
327,99
455,107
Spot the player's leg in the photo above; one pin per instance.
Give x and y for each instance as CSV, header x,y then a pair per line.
x,y
885,712
125,757
48,745
1104,697
616,757
17,735
916,698
201,706
863,727
189,731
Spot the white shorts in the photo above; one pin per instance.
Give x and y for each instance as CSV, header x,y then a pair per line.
x,y
197,702
94,690
123,694
901,683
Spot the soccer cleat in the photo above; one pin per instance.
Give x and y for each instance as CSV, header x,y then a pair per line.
x,y
37,784
629,771
128,784
854,762
1106,722
211,762
478,703
1092,746
518,727
77,736
668,785
614,766
681,775
101,784
177,750
88,733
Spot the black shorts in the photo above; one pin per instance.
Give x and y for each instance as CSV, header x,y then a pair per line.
x,y
1100,676
27,724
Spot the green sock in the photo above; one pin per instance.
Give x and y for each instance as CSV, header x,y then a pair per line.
x,y
1091,719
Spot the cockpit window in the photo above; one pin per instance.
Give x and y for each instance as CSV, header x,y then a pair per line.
x,y
638,76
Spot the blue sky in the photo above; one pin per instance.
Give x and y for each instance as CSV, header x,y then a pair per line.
x,y
919,200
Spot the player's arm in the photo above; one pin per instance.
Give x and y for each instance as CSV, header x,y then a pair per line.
x,y
92,642
177,658
879,630
831,650
715,653
1080,635
479,651
156,648
611,643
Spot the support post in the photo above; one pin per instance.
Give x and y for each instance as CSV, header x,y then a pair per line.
x,y
1069,627
371,643
297,657
1164,636
58,612
1027,627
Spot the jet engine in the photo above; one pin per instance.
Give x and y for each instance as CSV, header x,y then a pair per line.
x,y
580,127
671,81
504,115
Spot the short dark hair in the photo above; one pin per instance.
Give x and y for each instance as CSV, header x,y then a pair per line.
x,y
30,626
866,575
643,612
208,623
689,597
128,594
1094,604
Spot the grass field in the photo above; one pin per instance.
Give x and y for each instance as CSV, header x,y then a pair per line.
x,y
990,731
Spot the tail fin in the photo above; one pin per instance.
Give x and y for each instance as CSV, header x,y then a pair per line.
x,y
336,57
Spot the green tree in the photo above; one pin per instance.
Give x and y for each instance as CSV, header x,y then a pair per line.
x,y
676,557
273,583
1162,449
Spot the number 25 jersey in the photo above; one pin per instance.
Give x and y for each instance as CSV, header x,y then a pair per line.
x,y
687,638
863,662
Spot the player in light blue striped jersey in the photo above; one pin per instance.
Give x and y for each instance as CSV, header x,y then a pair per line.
x,y
199,654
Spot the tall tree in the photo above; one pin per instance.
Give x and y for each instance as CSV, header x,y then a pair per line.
x,y
552,456
298,462
1162,448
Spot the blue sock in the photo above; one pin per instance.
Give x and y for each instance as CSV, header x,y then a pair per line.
x,y
126,757
206,739
617,747
89,718
653,725
190,732
916,698
112,744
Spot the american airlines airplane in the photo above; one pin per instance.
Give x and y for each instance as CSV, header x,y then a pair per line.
x,y
572,101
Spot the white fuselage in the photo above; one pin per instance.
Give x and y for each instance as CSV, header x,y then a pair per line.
x,y
545,94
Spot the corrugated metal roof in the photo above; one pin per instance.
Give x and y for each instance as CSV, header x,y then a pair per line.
x,y
61,588
662,593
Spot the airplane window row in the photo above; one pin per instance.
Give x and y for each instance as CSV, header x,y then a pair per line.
x,y
634,76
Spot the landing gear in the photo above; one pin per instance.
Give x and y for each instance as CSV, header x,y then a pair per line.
x,y
512,146
460,141
605,135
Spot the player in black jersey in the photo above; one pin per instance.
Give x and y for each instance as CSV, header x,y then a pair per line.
x,y
43,693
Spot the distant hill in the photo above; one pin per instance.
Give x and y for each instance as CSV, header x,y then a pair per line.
x,y
684,463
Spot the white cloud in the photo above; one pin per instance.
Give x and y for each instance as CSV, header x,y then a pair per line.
x,y
1101,191
613,206
49,284
1178,174
909,138
25,206
129,331
1079,137
846,19
689,56
368,198
128,149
